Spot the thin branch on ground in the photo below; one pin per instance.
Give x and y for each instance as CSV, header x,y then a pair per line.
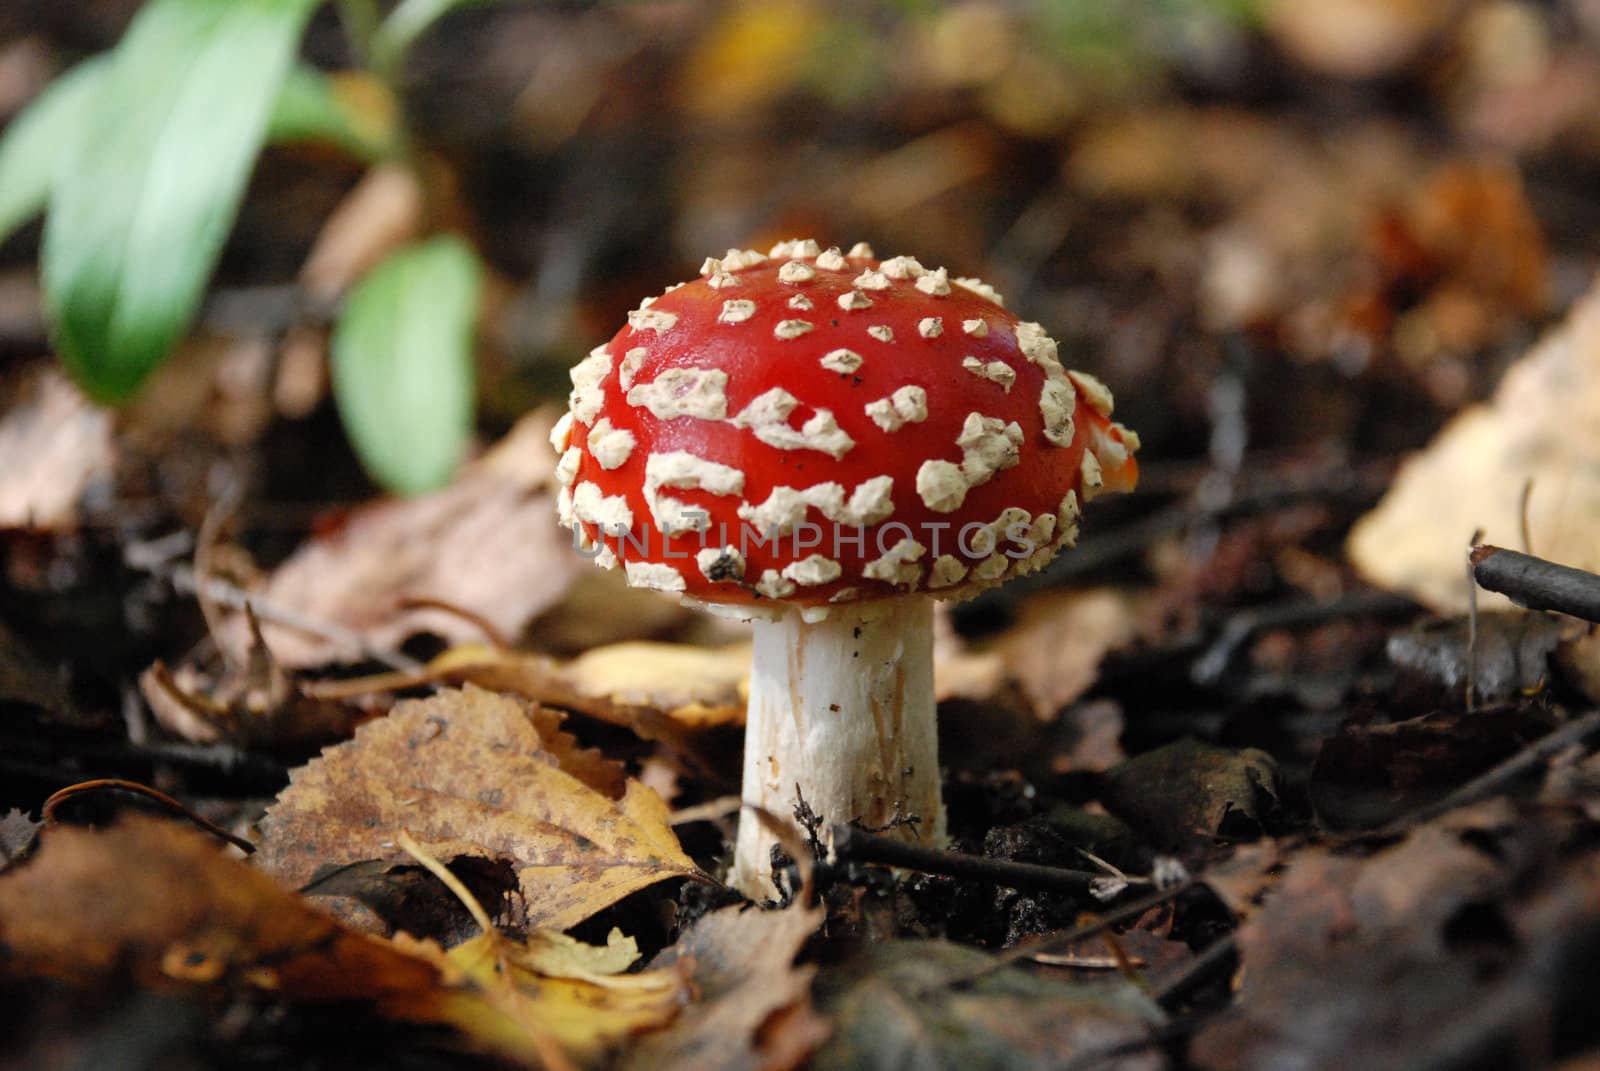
x,y
1537,583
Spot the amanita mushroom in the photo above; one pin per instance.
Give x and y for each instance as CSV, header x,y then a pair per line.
x,y
820,441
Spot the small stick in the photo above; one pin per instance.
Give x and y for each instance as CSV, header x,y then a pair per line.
x,y
1472,624
857,846
1522,516
1537,583
1493,780
1050,941
47,812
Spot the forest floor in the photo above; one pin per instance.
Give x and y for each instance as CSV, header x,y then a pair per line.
x,y
1253,777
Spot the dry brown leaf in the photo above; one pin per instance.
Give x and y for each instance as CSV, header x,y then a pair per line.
x,y
158,902
466,773
754,1010
1059,640
1543,423
487,544
66,441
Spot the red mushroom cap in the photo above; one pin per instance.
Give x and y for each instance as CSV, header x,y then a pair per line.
x,y
818,427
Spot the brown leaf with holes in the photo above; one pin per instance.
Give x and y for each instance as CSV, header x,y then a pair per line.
x,y
754,1009
467,774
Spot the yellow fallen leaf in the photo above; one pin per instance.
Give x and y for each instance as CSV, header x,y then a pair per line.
x,y
466,773
697,687
1543,424
548,981
549,996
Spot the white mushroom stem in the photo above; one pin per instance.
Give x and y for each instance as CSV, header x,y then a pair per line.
x,y
842,712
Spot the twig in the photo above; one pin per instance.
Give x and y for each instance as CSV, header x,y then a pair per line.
x,y
858,846
1537,583
112,784
1050,941
1493,780
1210,667
491,633
236,598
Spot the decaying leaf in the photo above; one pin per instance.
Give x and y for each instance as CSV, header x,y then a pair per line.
x,y
487,544
697,687
1543,424
160,904
754,1009
467,773
1367,775
894,1008
1403,958
1191,789
157,902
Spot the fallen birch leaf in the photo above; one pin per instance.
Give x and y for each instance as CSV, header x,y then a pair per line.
x,y
467,773
754,1009
487,544
1543,423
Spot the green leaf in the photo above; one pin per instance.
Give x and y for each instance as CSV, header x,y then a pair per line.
x,y
350,111
138,216
310,107
402,363
40,138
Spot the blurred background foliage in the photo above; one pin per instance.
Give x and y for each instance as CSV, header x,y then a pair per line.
x,y
1355,209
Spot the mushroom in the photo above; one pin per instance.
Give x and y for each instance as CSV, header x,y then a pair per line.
x,y
820,441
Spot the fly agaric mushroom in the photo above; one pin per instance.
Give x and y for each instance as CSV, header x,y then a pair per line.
x,y
819,441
